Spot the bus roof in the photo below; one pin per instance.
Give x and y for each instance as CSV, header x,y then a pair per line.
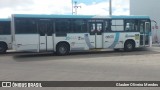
x,y
4,19
129,17
77,16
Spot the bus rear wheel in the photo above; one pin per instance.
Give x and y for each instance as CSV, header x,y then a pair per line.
x,y
129,46
3,48
62,49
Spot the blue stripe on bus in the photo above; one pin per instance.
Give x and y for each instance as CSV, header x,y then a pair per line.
x,y
52,16
115,40
87,40
5,19
78,16
130,17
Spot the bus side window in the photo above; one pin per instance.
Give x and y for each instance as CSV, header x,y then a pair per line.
x,y
26,26
5,28
127,28
136,25
117,25
92,27
99,27
141,27
78,26
62,27
131,25
107,26
41,28
147,27
1,29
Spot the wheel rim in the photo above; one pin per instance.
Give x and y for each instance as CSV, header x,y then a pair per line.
x,y
62,50
129,46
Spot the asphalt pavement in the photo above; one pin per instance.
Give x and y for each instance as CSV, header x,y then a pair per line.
x,y
139,65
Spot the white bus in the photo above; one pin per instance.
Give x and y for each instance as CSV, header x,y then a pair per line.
x,y
65,33
5,35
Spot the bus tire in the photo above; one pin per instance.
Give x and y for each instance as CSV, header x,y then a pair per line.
x,y
3,48
62,49
129,46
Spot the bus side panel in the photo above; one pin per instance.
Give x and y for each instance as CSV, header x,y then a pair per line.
x,y
135,36
78,41
7,40
118,39
112,40
27,42
75,40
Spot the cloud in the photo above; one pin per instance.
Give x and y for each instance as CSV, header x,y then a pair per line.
x,y
119,7
35,7
94,9
8,7
14,3
52,6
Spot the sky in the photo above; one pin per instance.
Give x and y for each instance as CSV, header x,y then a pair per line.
x,y
87,7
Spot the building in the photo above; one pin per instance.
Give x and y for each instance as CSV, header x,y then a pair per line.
x,y
150,8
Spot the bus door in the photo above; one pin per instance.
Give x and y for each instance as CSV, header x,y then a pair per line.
x,y
144,33
96,29
147,33
45,35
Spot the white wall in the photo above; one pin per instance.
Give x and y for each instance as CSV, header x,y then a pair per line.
x,y
150,8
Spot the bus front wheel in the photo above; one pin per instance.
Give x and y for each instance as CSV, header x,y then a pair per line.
x,y
129,46
62,49
3,48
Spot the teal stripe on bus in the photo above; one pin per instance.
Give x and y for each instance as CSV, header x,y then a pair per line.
x,y
52,16
115,42
5,20
78,16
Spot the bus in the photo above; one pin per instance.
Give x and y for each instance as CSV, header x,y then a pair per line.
x,y
5,35
66,33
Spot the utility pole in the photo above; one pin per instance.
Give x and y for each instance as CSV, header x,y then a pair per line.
x,y
76,7
110,7
72,7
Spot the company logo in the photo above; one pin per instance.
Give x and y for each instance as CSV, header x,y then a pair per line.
x,y
109,36
6,84
71,37
80,38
